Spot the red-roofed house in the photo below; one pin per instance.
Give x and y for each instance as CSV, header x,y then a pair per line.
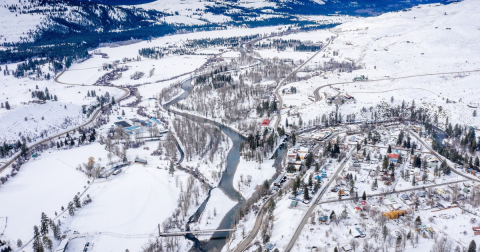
x,y
393,157
265,123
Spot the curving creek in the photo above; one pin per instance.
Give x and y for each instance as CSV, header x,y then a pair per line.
x,y
218,240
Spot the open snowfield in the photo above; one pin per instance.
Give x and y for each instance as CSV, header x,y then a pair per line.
x,y
13,27
258,173
414,47
18,91
44,185
56,119
134,202
58,116
286,220
190,11
287,54
88,72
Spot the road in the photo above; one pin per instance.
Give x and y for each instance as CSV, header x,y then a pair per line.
x,y
242,246
307,215
94,116
440,157
396,191
317,96
280,84
310,210
258,222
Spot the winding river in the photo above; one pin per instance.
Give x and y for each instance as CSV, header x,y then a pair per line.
x,y
218,240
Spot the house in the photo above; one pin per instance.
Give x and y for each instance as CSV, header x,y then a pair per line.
x,y
140,161
279,180
393,157
266,123
145,123
347,248
303,150
269,247
123,124
323,219
347,96
432,162
358,233
293,204
358,209
395,214
421,194
405,197
134,129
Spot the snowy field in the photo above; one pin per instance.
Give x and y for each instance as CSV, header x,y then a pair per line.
x,y
257,173
90,71
419,47
31,120
44,184
134,202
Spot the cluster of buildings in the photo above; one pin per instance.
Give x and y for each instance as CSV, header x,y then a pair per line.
x,y
140,126
301,152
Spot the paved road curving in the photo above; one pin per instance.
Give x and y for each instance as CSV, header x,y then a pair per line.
x,y
440,157
95,115
317,96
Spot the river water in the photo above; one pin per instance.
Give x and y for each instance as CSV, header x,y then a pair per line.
x,y
218,239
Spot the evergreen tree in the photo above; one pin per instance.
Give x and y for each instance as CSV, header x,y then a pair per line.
x,y
472,247
418,221
171,170
364,196
294,138
37,243
389,150
76,201
385,163
71,208
294,189
7,106
56,231
333,216
44,224
306,196
47,242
